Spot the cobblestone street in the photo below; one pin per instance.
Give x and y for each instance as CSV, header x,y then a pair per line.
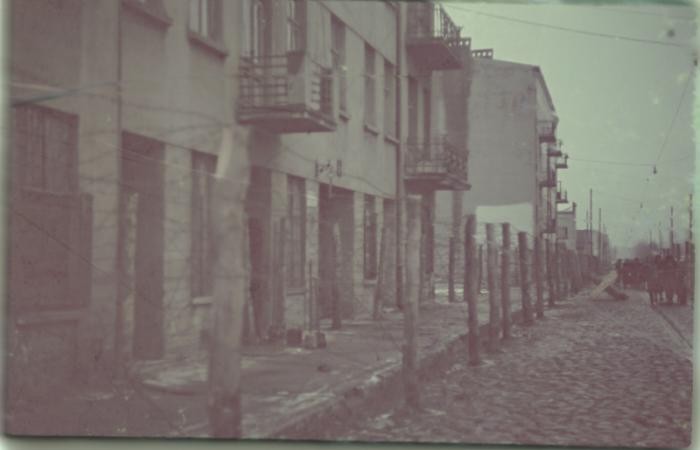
x,y
595,372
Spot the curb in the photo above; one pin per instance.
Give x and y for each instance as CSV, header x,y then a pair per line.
x,y
364,399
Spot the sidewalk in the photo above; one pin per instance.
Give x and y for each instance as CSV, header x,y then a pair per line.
x,y
283,389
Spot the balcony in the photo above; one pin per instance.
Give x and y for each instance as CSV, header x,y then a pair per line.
x,y
550,226
433,39
554,151
547,132
484,53
550,181
435,165
563,164
287,93
562,197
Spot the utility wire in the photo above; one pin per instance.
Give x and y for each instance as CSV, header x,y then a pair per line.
x,y
567,29
673,121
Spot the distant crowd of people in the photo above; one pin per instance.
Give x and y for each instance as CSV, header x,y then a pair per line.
x,y
664,278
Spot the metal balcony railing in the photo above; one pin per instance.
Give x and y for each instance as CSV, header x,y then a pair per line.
x,y
436,160
550,226
433,37
547,131
484,53
286,93
429,20
562,197
563,163
554,151
550,180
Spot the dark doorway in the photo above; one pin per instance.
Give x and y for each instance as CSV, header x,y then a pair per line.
x,y
142,243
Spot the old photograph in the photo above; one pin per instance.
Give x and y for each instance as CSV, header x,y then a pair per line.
x,y
350,221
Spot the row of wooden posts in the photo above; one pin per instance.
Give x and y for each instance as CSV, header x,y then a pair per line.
x,y
554,265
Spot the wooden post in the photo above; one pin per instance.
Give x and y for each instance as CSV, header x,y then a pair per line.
x,y
379,289
494,310
410,307
551,287
312,299
505,280
556,255
336,260
470,292
565,272
480,270
230,288
539,283
524,279
451,272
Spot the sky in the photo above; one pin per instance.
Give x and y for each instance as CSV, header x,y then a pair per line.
x,y
624,105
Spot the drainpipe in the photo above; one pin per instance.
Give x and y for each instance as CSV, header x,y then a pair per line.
x,y
399,161
119,364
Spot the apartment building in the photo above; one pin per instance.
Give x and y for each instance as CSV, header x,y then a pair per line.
x,y
566,227
117,115
514,153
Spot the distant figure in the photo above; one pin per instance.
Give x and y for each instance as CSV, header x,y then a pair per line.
x,y
654,285
682,287
618,271
669,275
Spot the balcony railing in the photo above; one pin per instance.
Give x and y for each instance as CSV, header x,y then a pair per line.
x,y
435,165
433,38
287,93
563,163
550,181
550,226
547,131
562,197
484,53
554,151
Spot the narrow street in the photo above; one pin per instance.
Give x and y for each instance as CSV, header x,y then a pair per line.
x,y
595,372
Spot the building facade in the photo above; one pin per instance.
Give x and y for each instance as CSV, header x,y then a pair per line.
x,y
514,153
117,117
566,227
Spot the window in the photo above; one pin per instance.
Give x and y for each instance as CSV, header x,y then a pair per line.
x,y
203,168
296,218
205,19
370,238
295,25
45,144
370,100
412,108
338,54
259,28
389,100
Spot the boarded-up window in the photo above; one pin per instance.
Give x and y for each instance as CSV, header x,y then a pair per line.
x,y
296,217
370,238
45,144
203,168
50,222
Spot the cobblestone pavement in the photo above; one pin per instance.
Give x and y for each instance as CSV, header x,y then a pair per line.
x,y
594,372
